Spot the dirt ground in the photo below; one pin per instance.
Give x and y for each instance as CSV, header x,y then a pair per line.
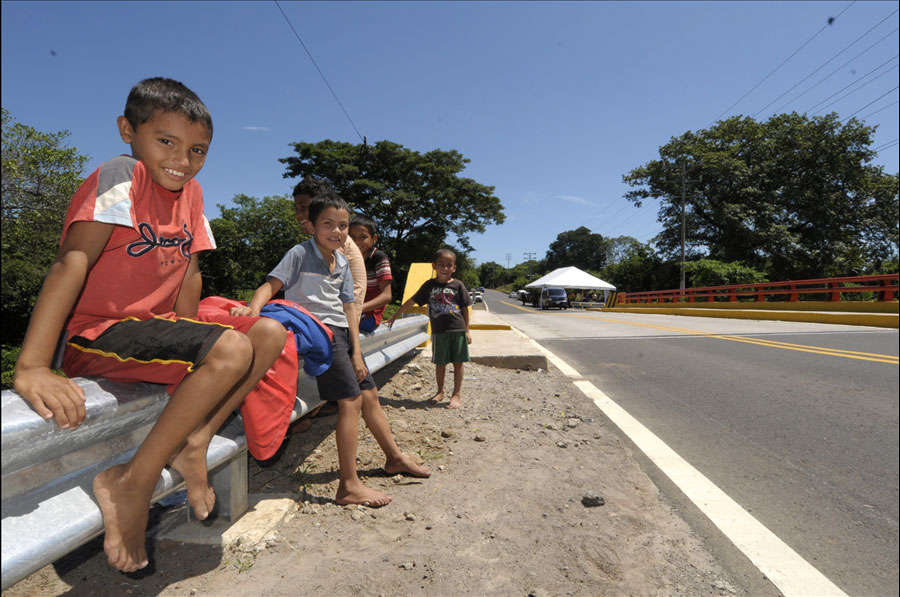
x,y
504,512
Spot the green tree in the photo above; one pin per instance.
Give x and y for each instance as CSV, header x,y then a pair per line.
x,y
709,272
794,196
640,269
491,274
40,175
418,199
580,248
251,237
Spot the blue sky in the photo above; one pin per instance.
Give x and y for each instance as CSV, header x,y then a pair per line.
x,y
551,102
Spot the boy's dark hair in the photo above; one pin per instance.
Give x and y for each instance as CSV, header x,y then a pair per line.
x,y
313,186
168,95
444,251
323,201
367,222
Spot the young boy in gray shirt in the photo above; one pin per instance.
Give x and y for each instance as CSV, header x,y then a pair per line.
x,y
315,275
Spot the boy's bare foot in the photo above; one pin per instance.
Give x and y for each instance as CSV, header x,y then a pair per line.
x,y
405,464
360,494
125,511
455,401
190,461
436,398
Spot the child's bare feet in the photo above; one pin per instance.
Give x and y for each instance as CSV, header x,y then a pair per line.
x,y
125,511
190,461
436,398
357,493
455,401
405,464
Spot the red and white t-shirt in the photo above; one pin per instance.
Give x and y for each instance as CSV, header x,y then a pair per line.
x,y
140,272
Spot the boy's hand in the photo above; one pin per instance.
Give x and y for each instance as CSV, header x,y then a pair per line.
x,y
52,396
389,322
246,311
468,338
360,368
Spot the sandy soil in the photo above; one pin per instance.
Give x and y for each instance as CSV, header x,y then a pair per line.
x,y
503,513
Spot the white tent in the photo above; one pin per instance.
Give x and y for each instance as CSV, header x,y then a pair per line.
x,y
571,278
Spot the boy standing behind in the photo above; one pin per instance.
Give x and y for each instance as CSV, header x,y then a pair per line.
x,y
125,287
448,309
315,275
378,273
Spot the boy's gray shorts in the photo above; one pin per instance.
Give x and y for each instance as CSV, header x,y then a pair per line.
x,y
339,381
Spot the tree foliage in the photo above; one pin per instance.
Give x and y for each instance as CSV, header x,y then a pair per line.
x,y
580,248
40,175
419,201
709,272
794,196
640,268
251,238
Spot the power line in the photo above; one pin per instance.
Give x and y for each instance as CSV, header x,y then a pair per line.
x,y
321,74
828,24
870,103
826,77
879,110
854,83
827,61
888,144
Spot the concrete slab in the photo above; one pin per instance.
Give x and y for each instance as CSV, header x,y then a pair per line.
x,y
255,527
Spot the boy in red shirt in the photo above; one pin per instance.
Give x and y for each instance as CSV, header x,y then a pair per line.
x,y
378,273
125,288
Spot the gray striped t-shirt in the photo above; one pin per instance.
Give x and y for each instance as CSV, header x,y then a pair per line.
x,y
308,282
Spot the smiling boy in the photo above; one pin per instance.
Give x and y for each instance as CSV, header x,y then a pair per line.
x,y
125,288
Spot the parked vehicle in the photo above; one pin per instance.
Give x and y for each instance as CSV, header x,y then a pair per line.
x,y
477,297
553,296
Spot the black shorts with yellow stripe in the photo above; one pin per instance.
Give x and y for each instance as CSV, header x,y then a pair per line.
x,y
158,350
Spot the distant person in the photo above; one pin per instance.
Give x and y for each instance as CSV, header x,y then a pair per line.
x,y
315,275
364,233
448,310
125,289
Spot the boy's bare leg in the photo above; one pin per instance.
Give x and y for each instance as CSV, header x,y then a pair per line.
x,y
123,492
440,372
396,460
456,399
351,490
267,339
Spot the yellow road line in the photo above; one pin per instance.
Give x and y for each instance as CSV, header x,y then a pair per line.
x,y
834,352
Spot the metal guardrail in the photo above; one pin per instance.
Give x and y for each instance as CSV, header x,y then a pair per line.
x,y
885,286
47,473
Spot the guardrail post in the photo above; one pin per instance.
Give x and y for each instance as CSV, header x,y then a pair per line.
x,y
835,294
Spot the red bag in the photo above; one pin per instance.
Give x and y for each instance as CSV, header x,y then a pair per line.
x,y
266,410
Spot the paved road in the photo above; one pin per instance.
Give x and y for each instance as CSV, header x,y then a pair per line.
x,y
796,422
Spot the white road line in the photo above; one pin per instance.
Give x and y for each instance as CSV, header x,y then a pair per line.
x,y
793,575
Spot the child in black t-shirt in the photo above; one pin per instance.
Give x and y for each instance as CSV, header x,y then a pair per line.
x,y
448,310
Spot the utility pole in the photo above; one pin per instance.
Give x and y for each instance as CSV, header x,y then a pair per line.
x,y
684,182
529,257
508,258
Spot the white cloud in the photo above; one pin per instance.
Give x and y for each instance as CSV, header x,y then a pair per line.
x,y
575,199
257,129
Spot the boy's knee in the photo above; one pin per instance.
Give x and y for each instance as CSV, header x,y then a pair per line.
x,y
350,405
271,333
232,352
